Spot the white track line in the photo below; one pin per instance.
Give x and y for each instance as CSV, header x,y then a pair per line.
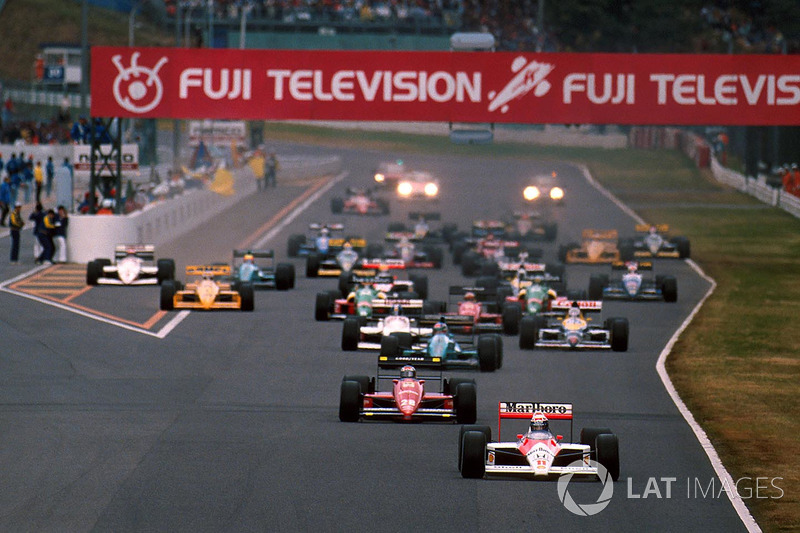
x,y
723,474
299,209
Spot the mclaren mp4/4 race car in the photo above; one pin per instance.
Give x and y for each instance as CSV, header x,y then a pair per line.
x,y
633,285
537,453
134,264
412,397
207,291
572,329
359,336
655,243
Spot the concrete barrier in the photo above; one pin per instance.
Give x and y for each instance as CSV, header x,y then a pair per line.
x,y
94,236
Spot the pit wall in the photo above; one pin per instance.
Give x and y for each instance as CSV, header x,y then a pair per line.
x,y
95,236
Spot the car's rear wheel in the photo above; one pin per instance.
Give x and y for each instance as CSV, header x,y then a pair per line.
x,y
607,446
351,333
619,334
283,276
669,289
390,346
93,271
248,296
466,403
589,436
450,385
487,353
595,287
312,265
487,434
473,455
529,331
350,401
166,270
322,306
294,244
420,285
167,301
404,339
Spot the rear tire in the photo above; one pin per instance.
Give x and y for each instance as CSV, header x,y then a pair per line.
x,y
294,244
529,331
351,334
619,334
487,353
595,287
589,436
512,314
93,271
248,296
167,301
166,270
473,455
420,285
669,289
284,276
466,403
404,339
350,401
390,346
322,306
607,446
312,265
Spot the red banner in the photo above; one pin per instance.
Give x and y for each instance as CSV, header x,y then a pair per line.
x,y
446,86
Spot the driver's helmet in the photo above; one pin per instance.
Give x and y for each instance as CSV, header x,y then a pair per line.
x,y
521,273
631,268
469,296
539,422
574,312
324,231
397,309
408,371
347,246
538,278
439,327
490,237
653,230
248,258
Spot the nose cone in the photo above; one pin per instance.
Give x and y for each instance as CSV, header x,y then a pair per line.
x,y
573,340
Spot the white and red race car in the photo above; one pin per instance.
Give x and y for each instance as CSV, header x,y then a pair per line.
x,y
134,264
537,453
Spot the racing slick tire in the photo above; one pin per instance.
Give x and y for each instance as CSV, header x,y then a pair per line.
x,y
166,270
420,285
669,289
350,401
345,280
93,271
684,249
390,346
404,339
247,294
433,307
596,287
103,262
337,206
322,307
619,334
487,353
490,268
529,331
589,436
498,341
351,333
284,276
312,265
466,403
363,383
450,385
293,245
564,250
473,455
607,449
555,269
487,433
512,313
167,300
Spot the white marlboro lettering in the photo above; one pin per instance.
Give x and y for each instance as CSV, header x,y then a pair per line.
x,y
615,89
385,85
232,85
693,89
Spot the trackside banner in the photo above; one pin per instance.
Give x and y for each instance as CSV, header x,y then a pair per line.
x,y
446,86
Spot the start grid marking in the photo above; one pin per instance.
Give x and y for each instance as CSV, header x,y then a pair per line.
x,y
58,285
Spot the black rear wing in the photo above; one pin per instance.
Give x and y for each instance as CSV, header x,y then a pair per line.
x,y
640,265
260,254
427,215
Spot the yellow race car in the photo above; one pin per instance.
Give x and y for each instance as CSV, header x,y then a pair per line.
x,y
598,247
206,291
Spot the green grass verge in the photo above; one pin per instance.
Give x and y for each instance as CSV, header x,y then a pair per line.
x,y
737,366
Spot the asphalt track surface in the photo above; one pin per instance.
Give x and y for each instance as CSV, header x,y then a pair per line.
x,y
229,422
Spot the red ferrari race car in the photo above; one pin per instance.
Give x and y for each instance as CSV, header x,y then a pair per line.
x,y
360,202
412,397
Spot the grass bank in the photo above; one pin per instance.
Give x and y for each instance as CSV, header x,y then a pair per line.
x,y
737,366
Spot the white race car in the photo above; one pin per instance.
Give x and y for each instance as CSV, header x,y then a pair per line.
x,y
418,184
538,453
368,337
134,264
